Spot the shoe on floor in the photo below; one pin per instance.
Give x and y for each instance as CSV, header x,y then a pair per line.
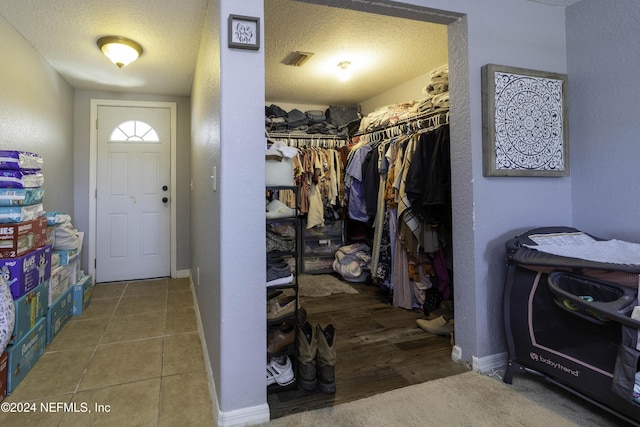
x,y
438,326
280,372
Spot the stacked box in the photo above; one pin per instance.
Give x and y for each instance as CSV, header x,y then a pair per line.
x,y
66,256
62,279
18,239
82,295
30,308
25,353
26,272
4,375
59,314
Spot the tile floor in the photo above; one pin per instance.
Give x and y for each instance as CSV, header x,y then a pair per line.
x,y
135,351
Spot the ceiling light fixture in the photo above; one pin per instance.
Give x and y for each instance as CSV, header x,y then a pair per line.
x,y
343,72
120,50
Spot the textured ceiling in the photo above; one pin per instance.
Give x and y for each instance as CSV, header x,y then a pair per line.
x,y
384,51
65,34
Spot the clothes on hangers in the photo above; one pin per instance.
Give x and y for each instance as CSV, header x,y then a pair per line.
x,y
318,169
405,171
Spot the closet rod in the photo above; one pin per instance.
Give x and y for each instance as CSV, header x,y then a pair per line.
x,y
440,117
302,135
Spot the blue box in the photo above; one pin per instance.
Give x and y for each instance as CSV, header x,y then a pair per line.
x,y
66,256
29,309
28,271
25,353
59,314
82,295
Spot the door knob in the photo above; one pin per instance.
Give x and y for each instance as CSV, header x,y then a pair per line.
x,y
165,188
165,200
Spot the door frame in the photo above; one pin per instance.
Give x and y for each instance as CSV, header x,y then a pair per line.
x,y
93,171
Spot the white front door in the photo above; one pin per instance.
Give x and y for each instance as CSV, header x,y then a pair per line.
x,y
133,215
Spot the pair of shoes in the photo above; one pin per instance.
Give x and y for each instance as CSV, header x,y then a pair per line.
x,y
317,357
281,307
438,326
278,272
280,372
280,337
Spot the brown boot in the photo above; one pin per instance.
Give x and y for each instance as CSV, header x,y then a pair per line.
x,y
307,350
326,358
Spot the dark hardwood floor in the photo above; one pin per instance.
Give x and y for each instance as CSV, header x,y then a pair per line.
x,y
378,348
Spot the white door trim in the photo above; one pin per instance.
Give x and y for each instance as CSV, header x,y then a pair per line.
x,y
93,161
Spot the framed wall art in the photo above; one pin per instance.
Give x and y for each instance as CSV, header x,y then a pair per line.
x,y
244,32
524,120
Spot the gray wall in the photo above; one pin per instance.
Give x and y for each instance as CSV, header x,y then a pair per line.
x,y
228,232
603,60
205,204
82,102
36,114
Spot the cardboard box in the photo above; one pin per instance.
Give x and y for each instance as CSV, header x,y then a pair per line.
x,y
25,353
59,314
28,271
66,256
30,308
62,278
20,238
82,295
4,375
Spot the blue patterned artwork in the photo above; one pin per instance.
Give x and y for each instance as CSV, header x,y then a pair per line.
x,y
525,122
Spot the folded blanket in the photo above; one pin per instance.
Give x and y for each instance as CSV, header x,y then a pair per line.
x,y
20,196
441,71
11,159
441,100
437,88
610,251
20,179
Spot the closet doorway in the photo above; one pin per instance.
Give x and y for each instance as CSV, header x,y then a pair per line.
x,y
379,347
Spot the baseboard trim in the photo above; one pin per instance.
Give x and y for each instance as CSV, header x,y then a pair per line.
x,y
182,274
205,353
245,416
239,417
488,363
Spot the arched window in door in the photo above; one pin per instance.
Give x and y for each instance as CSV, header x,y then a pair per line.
x,y
133,131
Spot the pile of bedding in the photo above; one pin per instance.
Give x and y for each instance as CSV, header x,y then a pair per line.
x,y
435,98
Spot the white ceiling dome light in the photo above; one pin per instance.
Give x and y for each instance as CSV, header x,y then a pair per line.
x,y
120,50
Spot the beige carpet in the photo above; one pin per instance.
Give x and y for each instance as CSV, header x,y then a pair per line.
x,y
469,399
321,285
